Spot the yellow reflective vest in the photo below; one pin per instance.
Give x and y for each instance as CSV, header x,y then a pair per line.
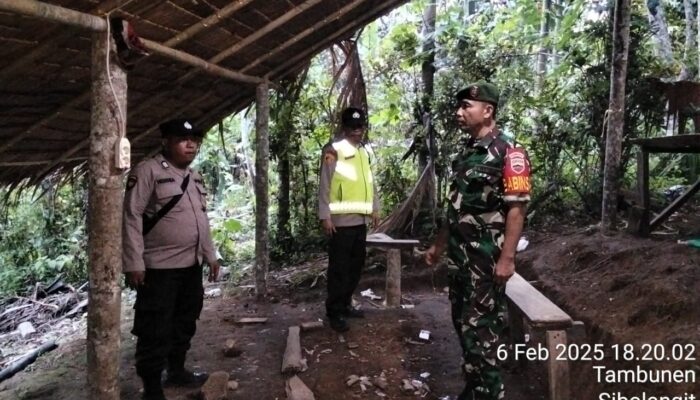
x,y
352,188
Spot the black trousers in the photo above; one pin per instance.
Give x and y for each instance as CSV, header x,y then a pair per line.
x,y
346,258
167,308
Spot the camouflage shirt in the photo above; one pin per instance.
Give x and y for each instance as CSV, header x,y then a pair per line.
x,y
486,175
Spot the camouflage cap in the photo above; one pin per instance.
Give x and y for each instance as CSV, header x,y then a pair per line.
x,y
480,91
180,127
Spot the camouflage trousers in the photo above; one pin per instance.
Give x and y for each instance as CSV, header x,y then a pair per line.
x,y
478,315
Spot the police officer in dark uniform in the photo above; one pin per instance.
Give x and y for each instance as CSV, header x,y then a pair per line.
x,y
489,192
166,239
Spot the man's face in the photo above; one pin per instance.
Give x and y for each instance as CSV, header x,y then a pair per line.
x,y
354,135
472,114
182,149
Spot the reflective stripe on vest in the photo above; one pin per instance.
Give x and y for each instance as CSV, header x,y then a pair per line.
x,y
352,190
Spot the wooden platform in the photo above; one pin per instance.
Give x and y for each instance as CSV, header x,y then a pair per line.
x,y
666,144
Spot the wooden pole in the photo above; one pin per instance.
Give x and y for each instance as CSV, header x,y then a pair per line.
x,y
616,122
53,13
262,151
197,62
393,278
643,186
105,201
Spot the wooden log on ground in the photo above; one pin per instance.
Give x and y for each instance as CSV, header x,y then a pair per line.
x,y
297,390
292,362
308,326
252,320
27,360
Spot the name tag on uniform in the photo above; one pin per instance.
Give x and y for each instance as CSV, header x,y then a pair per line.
x,y
349,157
165,180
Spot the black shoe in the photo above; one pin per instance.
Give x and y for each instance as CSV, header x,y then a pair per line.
x,y
338,324
154,396
186,378
354,313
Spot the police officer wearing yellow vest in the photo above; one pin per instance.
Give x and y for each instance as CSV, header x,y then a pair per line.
x,y
166,238
347,202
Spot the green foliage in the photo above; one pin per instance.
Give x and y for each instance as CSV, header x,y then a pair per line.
x,y
43,237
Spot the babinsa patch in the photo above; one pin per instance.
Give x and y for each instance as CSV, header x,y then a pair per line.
x,y
516,172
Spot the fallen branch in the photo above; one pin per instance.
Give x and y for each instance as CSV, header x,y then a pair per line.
x,y
27,360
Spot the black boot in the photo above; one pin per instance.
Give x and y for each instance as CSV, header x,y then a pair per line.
x,y
152,388
338,324
185,377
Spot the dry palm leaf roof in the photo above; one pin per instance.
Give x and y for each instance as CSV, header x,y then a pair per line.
x,y
45,69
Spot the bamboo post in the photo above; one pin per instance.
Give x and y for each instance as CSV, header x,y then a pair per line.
x,y
262,151
54,13
105,194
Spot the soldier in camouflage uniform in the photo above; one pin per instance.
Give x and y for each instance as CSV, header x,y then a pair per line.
x,y
489,190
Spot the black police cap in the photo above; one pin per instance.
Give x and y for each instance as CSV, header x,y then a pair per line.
x,y
180,127
353,118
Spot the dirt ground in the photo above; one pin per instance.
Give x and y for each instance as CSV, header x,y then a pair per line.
x,y
626,290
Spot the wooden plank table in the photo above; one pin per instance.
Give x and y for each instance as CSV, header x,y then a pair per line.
x,y
393,264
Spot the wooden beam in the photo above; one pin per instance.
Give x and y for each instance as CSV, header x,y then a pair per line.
x,y
42,162
264,30
83,97
331,18
54,37
208,22
49,12
262,152
329,41
674,206
197,62
105,200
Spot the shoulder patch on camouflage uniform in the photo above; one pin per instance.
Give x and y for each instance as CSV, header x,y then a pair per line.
x,y
516,171
131,181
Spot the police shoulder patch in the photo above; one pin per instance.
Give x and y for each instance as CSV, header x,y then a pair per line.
x,y
131,181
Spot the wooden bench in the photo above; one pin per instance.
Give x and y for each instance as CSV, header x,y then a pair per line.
x,y
526,302
393,264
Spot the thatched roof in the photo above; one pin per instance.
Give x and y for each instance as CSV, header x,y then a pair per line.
x,y
45,69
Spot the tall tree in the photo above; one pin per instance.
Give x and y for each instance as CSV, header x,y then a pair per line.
x,y
616,109
543,52
427,148
659,27
689,38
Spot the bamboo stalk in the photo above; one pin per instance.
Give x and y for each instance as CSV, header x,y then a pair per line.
x,y
54,13
208,22
197,62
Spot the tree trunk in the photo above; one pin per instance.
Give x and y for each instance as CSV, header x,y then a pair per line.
x,y
689,39
262,156
659,28
613,143
542,54
427,149
283,213
105,194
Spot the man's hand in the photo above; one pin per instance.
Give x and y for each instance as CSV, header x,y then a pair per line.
x,y
432,255
375,219
328,227
505,268
134,279
214,268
